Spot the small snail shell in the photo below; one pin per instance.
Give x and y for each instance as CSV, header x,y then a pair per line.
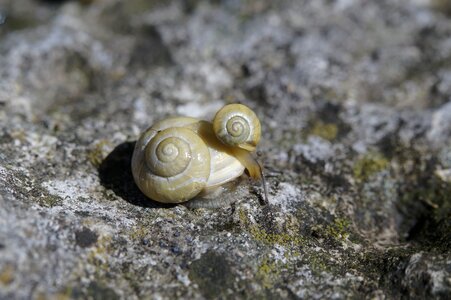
x,y
178,158
237,125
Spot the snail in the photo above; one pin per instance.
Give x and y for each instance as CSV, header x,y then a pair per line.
x,y
180,158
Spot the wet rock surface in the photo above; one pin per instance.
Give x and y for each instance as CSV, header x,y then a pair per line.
x,y
355,103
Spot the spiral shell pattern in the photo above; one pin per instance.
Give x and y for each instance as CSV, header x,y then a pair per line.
x,y
237,125
171,165
167,155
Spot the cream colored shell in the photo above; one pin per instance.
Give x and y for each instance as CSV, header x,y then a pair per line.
x,y
237,125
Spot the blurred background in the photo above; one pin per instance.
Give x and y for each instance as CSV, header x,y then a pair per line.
x,y
354,98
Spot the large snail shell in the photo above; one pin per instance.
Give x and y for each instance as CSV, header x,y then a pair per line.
x,y
171,165
237,125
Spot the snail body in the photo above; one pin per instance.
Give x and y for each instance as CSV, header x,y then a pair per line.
x,y
178,158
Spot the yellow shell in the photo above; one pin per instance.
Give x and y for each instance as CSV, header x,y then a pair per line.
x,y
171,165
237,125
178,158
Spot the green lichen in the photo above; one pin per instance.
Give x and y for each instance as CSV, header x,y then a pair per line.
x,y
271,239
43,197
369,165
243,217
50,201
98,256
7,275
96,154
339,229
286,238
139,232
327,131
65,294
267,272
319,262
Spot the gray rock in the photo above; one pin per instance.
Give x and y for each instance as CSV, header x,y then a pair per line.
x,y
440,132
354,102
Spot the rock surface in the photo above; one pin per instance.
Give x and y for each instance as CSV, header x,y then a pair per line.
x,y
355,103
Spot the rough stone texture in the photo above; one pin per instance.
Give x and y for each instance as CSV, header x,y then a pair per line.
x,y
355,103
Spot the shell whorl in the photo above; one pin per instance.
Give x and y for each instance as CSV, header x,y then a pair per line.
x,y
237,125
172,165
168,154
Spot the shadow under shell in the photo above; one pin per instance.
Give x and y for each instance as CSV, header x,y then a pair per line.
x,y
115,173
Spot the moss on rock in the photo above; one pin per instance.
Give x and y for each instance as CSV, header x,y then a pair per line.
x,y
369,165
